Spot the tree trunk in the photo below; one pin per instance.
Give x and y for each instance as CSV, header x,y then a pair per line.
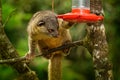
x,y
97,45
7,51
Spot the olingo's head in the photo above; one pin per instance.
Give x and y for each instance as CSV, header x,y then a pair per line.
x,y
46,22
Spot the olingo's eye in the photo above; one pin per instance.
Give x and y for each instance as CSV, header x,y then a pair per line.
x,y
41,23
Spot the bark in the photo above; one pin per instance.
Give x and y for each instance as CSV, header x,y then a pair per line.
x,y
98,46
7,51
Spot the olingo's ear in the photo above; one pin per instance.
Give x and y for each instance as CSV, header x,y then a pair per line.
x,y
40,23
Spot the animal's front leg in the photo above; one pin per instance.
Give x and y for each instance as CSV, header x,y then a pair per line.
x,y
32,45
67,50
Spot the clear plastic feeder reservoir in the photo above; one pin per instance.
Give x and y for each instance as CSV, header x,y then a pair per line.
x,y
81,4
80,12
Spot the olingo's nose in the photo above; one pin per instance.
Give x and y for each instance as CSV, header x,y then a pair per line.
x,y
53,32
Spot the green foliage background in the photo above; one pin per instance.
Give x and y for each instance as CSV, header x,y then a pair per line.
x,y
78,65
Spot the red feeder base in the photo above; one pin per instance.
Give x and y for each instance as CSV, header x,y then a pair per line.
x,y
80,15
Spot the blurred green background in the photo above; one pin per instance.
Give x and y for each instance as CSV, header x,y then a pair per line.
x,y
78,65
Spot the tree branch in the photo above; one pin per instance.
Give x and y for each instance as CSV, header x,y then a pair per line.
x,y
9,16
8,61
73,44
0,14
8,51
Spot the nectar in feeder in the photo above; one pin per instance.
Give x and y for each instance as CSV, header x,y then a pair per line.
x,y
80,12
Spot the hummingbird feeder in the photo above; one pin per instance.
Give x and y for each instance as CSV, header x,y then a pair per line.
x,y
80,12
